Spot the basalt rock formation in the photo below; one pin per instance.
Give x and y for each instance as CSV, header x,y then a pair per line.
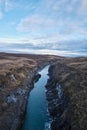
x,y
67,94
18,72
66,90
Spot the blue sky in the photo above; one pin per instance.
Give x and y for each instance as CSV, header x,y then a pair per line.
x,y
42,21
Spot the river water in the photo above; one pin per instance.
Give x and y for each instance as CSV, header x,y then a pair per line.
x,y
36,116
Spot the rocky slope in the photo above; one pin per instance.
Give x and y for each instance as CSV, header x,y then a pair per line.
x,y
67,94
18,72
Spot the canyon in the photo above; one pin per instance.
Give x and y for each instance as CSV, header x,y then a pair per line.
x,y
66,89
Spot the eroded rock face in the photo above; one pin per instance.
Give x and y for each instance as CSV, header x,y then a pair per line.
x,y
14,106
58,105
67,104
36,77
13,109
11,99
18,72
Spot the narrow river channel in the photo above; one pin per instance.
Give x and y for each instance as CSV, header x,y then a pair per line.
x,y
36,116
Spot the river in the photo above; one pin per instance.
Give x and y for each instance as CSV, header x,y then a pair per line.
x,y
37,117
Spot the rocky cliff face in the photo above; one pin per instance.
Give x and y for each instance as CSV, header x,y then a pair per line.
x,y
66,90
17,76
67,94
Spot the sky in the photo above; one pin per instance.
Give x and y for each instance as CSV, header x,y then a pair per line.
x,y
42,21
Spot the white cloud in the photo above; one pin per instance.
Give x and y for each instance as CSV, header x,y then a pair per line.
x,y
35,22
9,5
61,6
10,40
61,28
82,10
30,7
48,16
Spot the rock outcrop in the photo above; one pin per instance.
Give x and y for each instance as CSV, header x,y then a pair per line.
x,y
18,72
67,94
